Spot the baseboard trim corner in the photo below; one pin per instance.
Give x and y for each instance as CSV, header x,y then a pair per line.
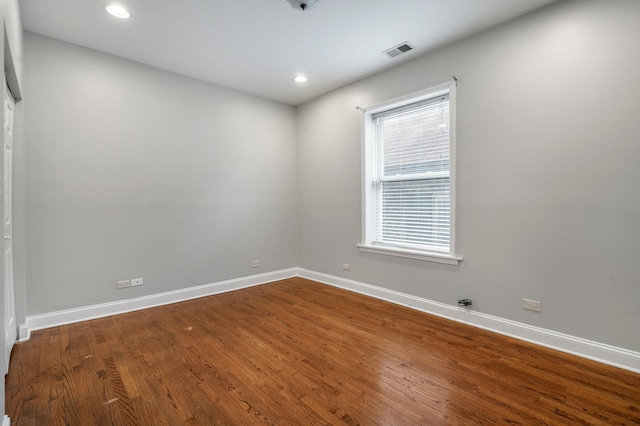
x,y
69,316
24,333
600,352
6,421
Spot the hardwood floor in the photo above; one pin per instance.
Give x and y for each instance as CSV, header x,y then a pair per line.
x,y
298,352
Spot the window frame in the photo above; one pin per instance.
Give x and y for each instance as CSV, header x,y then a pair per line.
x,y
370,145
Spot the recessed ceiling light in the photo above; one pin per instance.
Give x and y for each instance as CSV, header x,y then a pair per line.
x,y
117,11
300,79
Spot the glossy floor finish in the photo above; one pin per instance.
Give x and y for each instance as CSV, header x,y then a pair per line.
x,y
297,352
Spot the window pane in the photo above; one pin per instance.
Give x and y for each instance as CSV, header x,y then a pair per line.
x,y
416,212
413,189
416,141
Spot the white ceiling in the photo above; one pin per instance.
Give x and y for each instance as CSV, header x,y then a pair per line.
x,y
257,46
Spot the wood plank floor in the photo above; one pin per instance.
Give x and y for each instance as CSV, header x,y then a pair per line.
x,y
297,352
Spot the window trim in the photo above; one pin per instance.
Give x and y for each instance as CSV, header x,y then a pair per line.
x,y
368,113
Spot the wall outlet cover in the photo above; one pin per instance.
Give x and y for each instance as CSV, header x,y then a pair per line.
x,y
531,305
123,284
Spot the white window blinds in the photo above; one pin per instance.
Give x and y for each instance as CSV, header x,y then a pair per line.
x,y
411,186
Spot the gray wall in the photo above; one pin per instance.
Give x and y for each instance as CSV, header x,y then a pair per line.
x,y
136,172
548,175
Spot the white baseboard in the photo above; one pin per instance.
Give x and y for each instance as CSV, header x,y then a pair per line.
x,y
53,319
606,354
6,421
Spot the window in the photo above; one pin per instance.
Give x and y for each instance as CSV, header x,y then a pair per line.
x,y
409,180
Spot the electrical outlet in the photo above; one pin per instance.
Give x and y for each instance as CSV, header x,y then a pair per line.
x,y
255,263
136,282
123,284
346,266
531,305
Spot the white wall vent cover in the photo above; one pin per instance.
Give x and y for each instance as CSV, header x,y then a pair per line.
x,y
399,49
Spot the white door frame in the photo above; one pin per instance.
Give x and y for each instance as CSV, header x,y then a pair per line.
x,y
10,327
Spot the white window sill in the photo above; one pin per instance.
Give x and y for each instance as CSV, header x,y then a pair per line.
x,y
411,254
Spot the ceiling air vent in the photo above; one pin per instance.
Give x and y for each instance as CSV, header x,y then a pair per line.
x,y
399,49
